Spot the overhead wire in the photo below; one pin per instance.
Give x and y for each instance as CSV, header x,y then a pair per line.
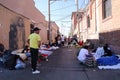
x,y
64,7
61,8
70,15
63,18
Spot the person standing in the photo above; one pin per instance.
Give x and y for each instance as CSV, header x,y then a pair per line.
x,y
34,41
69,41
62,40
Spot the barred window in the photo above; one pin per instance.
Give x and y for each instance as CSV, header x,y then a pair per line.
x,y
106,6
88,21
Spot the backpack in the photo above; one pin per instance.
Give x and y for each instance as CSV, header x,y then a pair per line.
x,y
90,62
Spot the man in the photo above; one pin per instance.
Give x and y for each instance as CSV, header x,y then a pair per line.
x,y
34,42
62,40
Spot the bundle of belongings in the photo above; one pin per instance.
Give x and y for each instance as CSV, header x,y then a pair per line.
x,y
13,61
10,60
90,62
45,51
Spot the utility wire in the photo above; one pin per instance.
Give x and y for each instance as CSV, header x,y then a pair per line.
x,y
61,8
64,7
52,2
67,15
63,18
70,14
82,4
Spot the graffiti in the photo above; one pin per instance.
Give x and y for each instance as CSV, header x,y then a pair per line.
x,y
17,34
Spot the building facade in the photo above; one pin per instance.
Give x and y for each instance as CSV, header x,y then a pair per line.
x,y
100,23
76,18
17,19
14,28
54,30
108,22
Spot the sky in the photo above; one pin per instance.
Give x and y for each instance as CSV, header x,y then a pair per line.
x,y
60,12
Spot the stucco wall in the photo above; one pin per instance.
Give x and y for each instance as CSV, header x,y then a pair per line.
x,y
109,28
55,29
24,7
14,28
28,9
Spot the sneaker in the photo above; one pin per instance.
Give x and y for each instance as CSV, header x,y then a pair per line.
x,y
46,59
36,72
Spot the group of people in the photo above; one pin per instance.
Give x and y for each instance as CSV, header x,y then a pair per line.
x,y
100,56
15,59
60,40
36,47
35,50
34,41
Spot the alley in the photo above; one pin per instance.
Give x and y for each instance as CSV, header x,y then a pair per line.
x,y
62,65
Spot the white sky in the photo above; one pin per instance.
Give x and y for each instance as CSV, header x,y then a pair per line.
x,y
61,11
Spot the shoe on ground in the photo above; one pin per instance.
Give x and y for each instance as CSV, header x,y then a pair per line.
x,y
36,72
46,59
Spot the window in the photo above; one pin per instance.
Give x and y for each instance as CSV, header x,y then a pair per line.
x,y
106,6
88,21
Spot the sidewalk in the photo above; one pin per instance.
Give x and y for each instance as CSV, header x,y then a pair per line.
x,y
62,65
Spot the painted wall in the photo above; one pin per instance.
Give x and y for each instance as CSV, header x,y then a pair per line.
x,y
14,29
30,11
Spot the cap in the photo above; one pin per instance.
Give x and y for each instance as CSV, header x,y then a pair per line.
x,y
36,29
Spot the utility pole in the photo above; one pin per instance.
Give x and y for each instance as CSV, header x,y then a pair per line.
x,y
49,21
95,16
49,26
78,19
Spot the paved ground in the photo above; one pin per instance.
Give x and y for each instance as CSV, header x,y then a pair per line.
x,y
62,65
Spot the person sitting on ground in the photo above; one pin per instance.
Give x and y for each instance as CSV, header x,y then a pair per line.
x,y
20,63
99,52
85,56
1,49
107,50
13,61
52,43
26,50
84,51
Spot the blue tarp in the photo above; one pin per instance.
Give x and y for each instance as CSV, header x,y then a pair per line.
x,y
108,60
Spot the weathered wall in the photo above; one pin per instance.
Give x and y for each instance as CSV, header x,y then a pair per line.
x,y
14,29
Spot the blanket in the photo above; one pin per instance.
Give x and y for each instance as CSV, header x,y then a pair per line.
x,y
108,60
117,66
